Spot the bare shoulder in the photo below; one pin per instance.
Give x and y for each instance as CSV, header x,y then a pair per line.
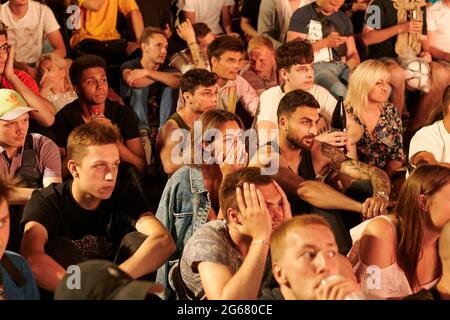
x,y
378,243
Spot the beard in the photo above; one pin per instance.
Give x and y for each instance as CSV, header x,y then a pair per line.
x,y
300,143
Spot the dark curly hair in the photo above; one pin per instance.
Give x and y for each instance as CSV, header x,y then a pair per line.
x,y
83,63
294,52
295,99
195,78
223,44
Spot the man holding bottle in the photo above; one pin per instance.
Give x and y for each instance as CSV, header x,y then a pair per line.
x,y
308,170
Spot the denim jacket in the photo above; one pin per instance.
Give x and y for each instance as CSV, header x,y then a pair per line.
x,y
183,208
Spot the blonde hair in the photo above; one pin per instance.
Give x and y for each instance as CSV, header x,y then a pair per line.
x,y
260,42
60,63
279,238
362,80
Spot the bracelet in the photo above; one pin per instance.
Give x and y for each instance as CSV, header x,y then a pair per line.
x,y
192,43
262,241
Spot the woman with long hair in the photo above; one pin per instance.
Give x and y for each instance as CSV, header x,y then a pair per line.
x,y
397,254
54,81
191,195
376,132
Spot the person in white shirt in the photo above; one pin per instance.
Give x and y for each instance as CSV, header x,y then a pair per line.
x,y
431,144
438,16
294,61
29,24
209,12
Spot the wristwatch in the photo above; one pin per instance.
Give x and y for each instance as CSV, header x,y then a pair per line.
x,y
382,194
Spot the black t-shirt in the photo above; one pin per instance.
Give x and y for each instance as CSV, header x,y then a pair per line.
x,y
302,17
55,208
156,13
250,10
69,117
388,18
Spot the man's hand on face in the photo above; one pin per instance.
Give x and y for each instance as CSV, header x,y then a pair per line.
x,y
287,213
255,218
336,289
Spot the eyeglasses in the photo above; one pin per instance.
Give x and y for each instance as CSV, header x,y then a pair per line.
x,y
5,48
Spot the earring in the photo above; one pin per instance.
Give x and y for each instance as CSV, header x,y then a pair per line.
x,y
75,174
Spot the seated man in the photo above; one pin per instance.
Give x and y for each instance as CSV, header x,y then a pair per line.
x,y
303,166
199,90
24,84
98,34
227,259
32,159
294,61
431,144
263,73
306,263
144,81
274,17
88,216
209,12
395,37
331,34
225,56
16,279
88,76
438,34
29,24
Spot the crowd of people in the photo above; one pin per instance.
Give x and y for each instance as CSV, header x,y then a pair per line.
x,y
188,149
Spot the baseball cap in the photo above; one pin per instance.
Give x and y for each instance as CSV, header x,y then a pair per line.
x,y
12,105
103,280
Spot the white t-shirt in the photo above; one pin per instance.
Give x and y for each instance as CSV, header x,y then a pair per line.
x,y
434,139
438,21
27,34
270,99
207,11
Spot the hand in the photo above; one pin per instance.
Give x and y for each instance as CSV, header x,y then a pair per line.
x,y
102,119
8,71
255,218
186,31
336,289
373,207
334,40
425,55
131,47
237,158
233,34
287,213
137,74
336,138
46,84
322,125
412,26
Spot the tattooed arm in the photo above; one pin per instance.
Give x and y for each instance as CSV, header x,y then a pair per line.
x,y
186,32
381,185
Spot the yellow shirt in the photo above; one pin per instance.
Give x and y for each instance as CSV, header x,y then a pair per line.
x,y
101,25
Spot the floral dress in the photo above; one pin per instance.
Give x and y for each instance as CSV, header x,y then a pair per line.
x,y
386,141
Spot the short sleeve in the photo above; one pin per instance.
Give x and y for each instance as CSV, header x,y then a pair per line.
x,y
299,21
348,25
41,209
375,11
246,9
424,141
128,123
50,23
28,81
268,104
207,245
126,6
49,158
136,205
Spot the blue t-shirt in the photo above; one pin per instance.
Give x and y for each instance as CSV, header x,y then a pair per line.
x,y
12,292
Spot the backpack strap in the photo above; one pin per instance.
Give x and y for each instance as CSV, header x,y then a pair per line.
x,y
13,271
